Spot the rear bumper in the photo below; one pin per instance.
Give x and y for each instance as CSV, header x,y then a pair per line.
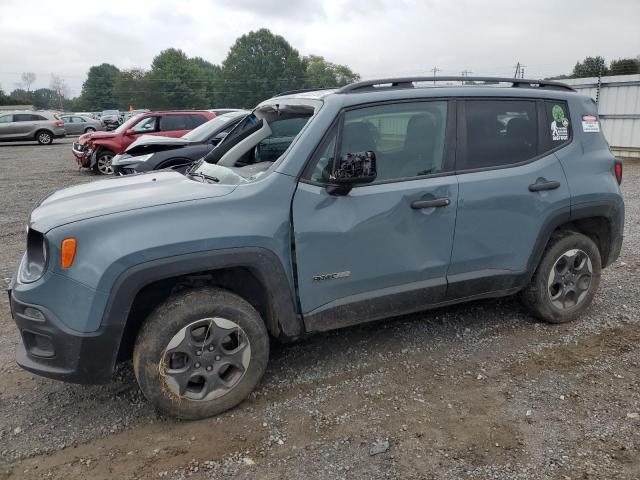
x,y
50,349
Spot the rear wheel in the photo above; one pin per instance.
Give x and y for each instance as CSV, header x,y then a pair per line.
x,y
89,130
566,280
200,353
44,137
103,162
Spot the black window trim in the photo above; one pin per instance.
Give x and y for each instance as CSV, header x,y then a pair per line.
x,y
448,154
539,103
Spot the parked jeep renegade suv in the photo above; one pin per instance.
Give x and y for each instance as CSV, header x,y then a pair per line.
x,y
320,210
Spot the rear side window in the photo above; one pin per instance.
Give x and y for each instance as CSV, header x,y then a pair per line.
x,y
197,120
559,125
499,133
6,118
22,117
38,118
175,122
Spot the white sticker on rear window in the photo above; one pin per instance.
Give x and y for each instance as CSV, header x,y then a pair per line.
x,y
590,124
560,124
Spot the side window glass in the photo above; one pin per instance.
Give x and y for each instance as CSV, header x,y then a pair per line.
x,y
6,119
22,117
559,131
175,122
146,125
500,133
407,138
78,120
324,159
38,118
197,120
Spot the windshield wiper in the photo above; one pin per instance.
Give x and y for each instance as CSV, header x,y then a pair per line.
x,y
204,176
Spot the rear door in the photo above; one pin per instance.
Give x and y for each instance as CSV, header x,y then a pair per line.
x,y
23,125
175,125
378,250
511,184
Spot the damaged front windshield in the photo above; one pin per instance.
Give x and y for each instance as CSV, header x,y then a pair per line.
x,y
249,150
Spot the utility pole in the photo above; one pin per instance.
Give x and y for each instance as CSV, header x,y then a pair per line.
x,y
435,70
522,71
465,73
517,72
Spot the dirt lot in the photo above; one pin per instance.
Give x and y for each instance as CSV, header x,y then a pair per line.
x,y
476,391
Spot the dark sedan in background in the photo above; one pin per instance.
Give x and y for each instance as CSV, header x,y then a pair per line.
x,y
149,153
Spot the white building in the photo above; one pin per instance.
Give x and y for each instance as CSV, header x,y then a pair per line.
x,y
618,108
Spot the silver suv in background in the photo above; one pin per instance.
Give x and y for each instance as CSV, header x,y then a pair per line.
x,y
42,127
75,124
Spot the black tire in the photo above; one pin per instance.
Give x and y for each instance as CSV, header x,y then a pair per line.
x,y
103,162
44,137
167,321
89,130
557,297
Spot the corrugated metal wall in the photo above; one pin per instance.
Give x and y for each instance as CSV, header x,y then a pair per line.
x,y
618,108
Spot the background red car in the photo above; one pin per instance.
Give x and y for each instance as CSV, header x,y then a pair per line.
x,y
96,150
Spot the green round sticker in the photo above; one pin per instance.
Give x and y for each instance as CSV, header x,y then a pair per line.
x,y
558,113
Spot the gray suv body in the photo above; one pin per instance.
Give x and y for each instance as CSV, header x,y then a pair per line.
x,y
42,127
390,198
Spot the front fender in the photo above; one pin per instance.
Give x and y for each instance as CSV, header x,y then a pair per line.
x,y
263,263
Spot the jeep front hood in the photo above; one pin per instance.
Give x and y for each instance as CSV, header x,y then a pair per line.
x,y
120,194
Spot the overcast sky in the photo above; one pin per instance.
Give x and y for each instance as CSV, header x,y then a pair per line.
x,y
374,37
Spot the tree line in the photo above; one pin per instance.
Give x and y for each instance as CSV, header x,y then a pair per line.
x,y
258,66
597,66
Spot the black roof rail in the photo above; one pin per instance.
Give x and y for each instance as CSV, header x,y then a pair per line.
x,y
302,90
407,82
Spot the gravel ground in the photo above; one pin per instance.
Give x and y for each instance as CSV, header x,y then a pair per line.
x,y
476,391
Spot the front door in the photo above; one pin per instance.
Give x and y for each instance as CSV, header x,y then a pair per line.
x,y
384,248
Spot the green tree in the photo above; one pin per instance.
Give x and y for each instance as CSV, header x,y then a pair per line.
x,y
176,81
625,66
321,74
20,97
210,78
258,66
590,67
98,89
44,99
132,89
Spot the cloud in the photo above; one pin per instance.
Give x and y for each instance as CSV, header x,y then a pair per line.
x,y
375,37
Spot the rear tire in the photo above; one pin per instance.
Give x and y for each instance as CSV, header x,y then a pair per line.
x,y
566,280
103,162
186,361
44,137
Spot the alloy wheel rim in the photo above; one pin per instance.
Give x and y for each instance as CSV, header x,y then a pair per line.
x,y
570,279
44,138
206,359
104,164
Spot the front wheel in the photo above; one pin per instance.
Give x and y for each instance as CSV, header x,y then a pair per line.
x,y
103,162
566,280
200,353
89,130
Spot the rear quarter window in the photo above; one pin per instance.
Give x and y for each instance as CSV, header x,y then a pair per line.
x,y
558,124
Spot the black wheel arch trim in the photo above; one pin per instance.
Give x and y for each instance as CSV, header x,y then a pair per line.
x,y
263,263
610,209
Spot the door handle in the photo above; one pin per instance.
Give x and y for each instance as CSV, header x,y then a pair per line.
x,y
436,202
544,185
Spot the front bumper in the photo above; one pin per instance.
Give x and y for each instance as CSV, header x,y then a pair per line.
x,y
50,349
82,154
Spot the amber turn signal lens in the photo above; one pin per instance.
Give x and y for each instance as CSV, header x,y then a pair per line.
x,y
68,252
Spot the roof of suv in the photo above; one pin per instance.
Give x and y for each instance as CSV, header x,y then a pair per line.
x,y
434,86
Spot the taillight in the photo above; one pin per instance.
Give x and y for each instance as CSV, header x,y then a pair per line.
x,y
618,171
58,123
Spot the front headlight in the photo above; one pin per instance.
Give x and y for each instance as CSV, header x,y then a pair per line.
x,y
34,261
